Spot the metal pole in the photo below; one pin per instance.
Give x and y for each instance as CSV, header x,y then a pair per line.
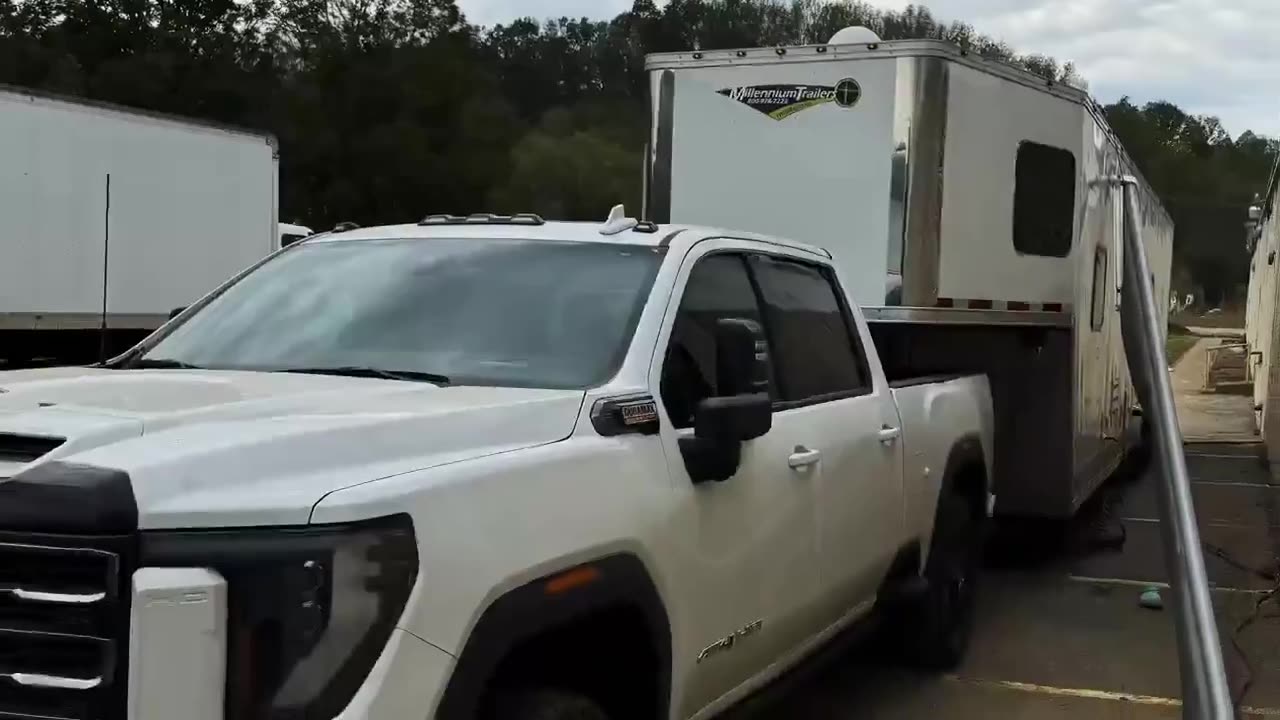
x,y
106,259
1205,695
646,170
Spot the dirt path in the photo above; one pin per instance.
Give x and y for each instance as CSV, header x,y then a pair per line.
x,y
1206,416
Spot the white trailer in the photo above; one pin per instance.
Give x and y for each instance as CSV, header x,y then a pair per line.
x,y
1262,324
110,217
974,206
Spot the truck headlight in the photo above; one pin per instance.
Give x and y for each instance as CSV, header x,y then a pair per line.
x,y
309,609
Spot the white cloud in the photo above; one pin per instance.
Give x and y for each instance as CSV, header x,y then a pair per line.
x,y
1206,57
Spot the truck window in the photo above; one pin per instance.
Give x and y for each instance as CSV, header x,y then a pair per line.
x,y
1044,200
495,312
718,287
1098,309
816,353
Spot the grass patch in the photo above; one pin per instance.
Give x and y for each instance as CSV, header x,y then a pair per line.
x,y
1228,318
1178,345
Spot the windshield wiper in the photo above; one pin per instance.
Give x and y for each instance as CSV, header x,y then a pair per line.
x,y
370,372
160,364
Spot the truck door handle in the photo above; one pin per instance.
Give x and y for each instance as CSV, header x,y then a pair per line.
x,y
889,434
803,457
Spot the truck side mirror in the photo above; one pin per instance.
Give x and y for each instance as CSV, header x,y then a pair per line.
x,y
741,409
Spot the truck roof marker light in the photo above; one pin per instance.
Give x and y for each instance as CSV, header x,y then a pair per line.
x,y
572,580
483,219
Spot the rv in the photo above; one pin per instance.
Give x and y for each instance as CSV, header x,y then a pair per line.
x,y
975,208
1260,310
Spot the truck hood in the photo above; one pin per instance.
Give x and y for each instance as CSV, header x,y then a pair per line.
x,y
221,448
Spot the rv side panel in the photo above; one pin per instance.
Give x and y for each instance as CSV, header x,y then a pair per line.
x,y
742,155
1002,140
1100,376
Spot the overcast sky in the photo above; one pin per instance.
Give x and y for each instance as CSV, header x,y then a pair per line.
x,y
1212,57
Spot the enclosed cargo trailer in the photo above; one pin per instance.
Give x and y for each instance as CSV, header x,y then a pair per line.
x,y
110,217
974,208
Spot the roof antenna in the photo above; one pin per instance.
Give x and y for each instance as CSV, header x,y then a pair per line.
x,y
618,221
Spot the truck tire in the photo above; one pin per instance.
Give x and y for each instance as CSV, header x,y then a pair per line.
x,y
545,704
935,629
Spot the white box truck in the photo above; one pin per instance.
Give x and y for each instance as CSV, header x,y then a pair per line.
x,y
974,207
110,217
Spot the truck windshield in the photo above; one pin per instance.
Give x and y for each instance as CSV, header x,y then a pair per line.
x,y
485,312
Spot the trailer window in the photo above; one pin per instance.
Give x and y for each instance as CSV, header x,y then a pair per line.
x,y
718,287
1098,310
1044,199
815,348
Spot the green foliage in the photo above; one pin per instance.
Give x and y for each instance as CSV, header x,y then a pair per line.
x,y
391,109
567,172
1207,181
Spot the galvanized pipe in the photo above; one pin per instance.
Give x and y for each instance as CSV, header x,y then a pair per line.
x,y
1205,695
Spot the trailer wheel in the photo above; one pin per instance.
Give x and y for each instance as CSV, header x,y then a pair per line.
x,y
935,628
545,704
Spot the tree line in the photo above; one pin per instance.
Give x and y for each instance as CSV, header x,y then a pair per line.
x,y
388,110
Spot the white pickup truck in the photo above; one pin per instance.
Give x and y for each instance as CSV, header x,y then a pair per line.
x,y
482,467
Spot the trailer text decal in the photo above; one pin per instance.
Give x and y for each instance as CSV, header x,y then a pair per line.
x,y
782,101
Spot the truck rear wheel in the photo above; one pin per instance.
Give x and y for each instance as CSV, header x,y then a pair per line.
x,y
934,630
547,705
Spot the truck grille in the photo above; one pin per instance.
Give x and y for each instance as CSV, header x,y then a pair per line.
x,y
64,627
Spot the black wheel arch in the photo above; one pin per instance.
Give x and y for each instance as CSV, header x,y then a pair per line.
x,y
617,582
968,471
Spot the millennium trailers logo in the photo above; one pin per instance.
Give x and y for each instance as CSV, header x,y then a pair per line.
x,y
782,101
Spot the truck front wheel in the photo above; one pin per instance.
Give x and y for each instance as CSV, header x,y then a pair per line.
x,y
936,625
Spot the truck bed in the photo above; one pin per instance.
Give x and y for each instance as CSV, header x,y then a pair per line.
x,y
933,410
912,381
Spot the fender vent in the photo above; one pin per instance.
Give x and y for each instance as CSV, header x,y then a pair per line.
x,y
18,450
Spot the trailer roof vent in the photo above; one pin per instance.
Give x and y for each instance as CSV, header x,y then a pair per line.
x,y
854,35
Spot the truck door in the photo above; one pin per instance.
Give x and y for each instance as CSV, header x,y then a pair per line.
x,y
752,540
826,384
